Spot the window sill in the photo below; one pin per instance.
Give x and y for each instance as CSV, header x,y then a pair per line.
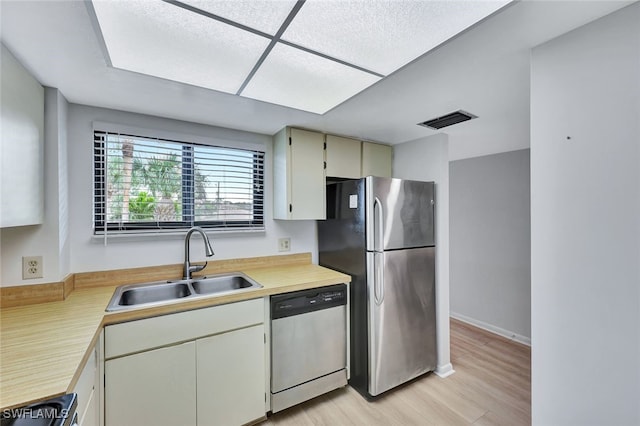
x,y
124,236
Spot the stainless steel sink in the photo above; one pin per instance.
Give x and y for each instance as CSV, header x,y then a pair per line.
x,y
222,283
139,295
162,292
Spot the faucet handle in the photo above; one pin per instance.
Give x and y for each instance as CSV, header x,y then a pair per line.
x,y
198,268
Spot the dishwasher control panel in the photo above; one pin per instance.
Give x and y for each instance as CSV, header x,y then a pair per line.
x,y
296,303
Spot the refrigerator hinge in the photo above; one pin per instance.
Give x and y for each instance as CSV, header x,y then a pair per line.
x,y
289,140
325,165
290,208
325,146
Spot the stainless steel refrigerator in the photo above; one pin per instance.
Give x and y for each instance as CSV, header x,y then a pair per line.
x,y
381,232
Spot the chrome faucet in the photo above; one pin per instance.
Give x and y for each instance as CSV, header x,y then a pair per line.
x,y
188,269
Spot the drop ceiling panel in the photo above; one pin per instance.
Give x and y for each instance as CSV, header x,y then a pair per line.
x,y
301,80
384,35
263,15
163,40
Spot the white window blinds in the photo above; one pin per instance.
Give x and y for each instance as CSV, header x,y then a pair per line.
x,y
143,184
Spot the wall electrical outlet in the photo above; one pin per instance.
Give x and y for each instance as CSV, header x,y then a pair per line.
x,y
284,244
31,267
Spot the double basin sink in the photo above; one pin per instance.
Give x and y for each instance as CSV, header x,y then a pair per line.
x,y
162,292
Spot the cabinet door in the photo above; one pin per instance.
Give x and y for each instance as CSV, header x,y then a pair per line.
x,y
231,377
306,175
88,391
156,387
21,144
91,415
376,159
343,157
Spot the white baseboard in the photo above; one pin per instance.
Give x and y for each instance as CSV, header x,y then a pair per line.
x,y
443,371
493,329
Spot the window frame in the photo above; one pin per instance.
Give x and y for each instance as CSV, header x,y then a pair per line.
x,y
100,171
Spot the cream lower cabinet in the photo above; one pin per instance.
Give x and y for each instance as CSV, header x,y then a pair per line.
x,y
198,368
230,358
156,387
89,388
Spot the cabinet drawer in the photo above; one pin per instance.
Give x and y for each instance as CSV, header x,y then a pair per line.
x,y
141,335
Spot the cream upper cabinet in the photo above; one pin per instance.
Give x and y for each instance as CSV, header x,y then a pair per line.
x,y
21,145
298,175
343,157
376,159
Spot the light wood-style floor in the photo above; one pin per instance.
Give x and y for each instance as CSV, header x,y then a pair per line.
x,y
491,386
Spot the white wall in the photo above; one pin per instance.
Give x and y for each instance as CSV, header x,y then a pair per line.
x,y
585,224
44,240
90,254
427,159
490,258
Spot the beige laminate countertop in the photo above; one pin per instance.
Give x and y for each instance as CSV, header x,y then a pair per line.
x,y
44,347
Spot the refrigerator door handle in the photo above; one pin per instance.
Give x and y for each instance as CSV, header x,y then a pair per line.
x,y
378,217
369,214
378,283
378,256
433,208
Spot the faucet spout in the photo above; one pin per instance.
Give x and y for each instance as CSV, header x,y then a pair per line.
x,y
188,268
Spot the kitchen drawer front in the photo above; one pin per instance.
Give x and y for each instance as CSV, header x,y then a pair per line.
x,y
150,333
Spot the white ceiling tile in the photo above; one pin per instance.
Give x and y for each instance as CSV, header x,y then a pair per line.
x,y
383,35
263,15
297,79
166,41
56,42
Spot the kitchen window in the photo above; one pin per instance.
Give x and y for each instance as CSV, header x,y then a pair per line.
x,y
144,184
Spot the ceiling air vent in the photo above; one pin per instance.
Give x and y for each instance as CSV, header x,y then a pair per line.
x,y
448,120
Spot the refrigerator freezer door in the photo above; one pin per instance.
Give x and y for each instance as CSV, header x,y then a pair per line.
x,y
341,238
399,213
402,316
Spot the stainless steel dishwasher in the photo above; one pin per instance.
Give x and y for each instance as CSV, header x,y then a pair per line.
x,y
308,344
